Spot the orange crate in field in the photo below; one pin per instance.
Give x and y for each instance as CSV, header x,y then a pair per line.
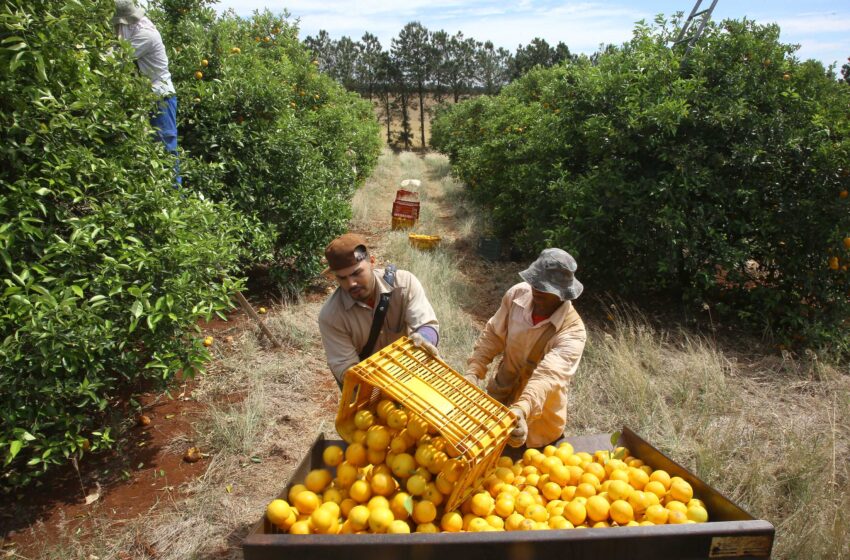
x,y
474,425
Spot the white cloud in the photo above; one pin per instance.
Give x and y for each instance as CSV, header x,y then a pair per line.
x,y
583,26
816,23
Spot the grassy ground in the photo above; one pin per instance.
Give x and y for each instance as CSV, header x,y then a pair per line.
x,y
770,432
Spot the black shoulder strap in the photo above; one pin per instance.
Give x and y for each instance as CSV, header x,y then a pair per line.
x,y
380,313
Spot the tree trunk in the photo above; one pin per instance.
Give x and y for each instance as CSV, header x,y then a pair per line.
x,y
389,116
422,113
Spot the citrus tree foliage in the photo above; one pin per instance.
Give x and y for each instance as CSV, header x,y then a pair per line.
x,y
724,180
104,265
262,128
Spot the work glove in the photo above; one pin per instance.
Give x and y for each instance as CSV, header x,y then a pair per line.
x,y
520,433
421,342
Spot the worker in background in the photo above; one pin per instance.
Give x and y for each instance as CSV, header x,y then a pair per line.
x,y
133,26
541,339
371,307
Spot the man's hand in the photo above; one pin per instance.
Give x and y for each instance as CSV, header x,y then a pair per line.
x,y
472,378
421,342
520,433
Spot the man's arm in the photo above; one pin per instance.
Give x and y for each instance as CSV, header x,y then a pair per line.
x,y
555,370
339,348
420,316
491,342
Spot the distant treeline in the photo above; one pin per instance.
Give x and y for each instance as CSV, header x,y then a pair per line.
x,y
421,62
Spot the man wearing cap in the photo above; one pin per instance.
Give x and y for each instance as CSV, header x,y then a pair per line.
x,y
541,338
371,307
133,26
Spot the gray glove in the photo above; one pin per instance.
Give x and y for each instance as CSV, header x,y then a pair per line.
x,y
421,342
520,433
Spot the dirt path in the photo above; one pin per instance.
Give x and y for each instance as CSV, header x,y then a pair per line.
x,y
254,414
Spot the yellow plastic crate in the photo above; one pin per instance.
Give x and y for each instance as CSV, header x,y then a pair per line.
x,y
475,425
423,242
403,223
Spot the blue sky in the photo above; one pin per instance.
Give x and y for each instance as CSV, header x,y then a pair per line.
x,y
820,27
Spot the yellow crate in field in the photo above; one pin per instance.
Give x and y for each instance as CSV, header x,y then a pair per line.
x,y
474,425
403,223
423,242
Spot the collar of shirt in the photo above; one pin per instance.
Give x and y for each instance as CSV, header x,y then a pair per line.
x,y
524,300
383,288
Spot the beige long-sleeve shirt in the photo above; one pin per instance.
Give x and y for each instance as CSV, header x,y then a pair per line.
x,y
345,323
511,332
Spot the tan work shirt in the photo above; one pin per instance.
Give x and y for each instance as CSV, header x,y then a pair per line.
x,y
512,332
345,323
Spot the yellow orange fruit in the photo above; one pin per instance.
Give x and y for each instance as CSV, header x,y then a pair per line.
x,y
597,508
278,512
697,513
621,512
355,454
360,491
359,517
380,520
364,419
424,512
452,522
681,491
306,502
333,455
317,480
575,512
300,528
398,527
322,520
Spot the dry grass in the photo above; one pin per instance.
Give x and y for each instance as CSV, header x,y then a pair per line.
x,y
768,433
771,433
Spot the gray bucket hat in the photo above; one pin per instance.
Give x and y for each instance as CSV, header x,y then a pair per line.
x,y
553,273
127,12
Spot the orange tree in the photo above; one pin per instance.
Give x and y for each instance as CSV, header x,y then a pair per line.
x,y
263,129
104,265
723,179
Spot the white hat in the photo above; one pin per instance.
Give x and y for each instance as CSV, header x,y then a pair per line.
x,y
553,273
127,12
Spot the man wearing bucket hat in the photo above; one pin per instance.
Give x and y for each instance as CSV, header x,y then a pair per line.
x,y
371,307
133,26
541,338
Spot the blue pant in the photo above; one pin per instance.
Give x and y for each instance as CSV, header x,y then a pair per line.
x,y
164,122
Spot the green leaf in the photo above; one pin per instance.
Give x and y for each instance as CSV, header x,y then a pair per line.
x,y
14,449
408,505
77,290
615,437
136,309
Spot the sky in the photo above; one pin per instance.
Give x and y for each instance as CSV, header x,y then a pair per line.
x,y
820,27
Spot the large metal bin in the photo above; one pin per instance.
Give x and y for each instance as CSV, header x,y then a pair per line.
x,y
731,533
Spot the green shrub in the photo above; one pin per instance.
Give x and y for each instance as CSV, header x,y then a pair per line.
x,y
718,180
104,265
265,130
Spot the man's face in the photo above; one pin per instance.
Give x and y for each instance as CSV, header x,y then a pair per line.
x,y
544,301
357,280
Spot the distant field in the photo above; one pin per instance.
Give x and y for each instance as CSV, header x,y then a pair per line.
x,y
430,105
